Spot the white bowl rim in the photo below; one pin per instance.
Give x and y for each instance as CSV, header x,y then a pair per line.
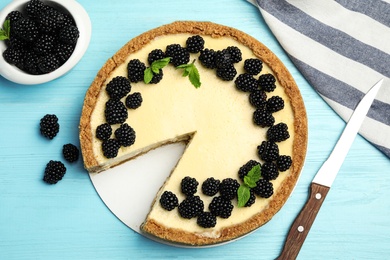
x,y
83,23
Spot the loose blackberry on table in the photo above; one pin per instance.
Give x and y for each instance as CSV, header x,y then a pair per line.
x,y
54,172
70,152
49,126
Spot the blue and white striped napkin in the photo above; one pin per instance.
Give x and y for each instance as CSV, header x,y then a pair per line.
x,y
342,47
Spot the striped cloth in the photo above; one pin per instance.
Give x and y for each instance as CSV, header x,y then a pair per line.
x,y
342,48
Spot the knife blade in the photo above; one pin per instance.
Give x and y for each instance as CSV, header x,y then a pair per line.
x,y
324,178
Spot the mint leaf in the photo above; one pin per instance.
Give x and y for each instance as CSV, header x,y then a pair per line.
x,y
5,32
255,173
249,182
159,64
243,195
192,72
148,75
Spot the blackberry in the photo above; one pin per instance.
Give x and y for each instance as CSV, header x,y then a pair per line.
x,y
30,63
221,207
246,82
104,131
115,112
284,162
268,151
252,199
26,29
17,43
168,200
178,54
50,21
125,135
134,100
263,118
110,148
70,152
223,59
13,56
269,171
118,87
69,34
257,98
264,188
68,20
235,54
210,186
189,186
274,104
157,77
48,63
13,17
49,126
135,70
228,73
278,133
154,55
206,220
63,51
228,188
34,8
54,172
207,58
195,44
44,44
267,82
253,66
191,207
244,170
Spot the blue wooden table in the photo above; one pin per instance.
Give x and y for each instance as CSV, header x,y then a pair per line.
x,y
69,221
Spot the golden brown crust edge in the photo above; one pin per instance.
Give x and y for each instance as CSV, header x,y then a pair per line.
x,y
284,78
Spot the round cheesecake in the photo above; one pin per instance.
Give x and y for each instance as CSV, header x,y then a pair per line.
x,y
215,120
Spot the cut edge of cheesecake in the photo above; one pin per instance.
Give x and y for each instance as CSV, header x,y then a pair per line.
x,y
280,72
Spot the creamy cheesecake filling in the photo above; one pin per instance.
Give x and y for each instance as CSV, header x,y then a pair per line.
x,y
218,119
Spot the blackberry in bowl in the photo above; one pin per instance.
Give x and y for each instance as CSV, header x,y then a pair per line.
x,y
42,39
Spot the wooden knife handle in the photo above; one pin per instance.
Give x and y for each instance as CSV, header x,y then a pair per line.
x,y
302,224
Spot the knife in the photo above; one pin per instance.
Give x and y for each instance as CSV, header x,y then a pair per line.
x,y
324,178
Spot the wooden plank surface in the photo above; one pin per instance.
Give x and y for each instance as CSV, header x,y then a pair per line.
x,y
68,220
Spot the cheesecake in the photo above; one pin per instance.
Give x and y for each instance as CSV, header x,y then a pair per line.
x,y
232,102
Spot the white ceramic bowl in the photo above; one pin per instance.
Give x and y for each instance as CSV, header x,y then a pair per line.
x,y
83,23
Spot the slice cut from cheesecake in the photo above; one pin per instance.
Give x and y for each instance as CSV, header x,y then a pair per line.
x,y
216,122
